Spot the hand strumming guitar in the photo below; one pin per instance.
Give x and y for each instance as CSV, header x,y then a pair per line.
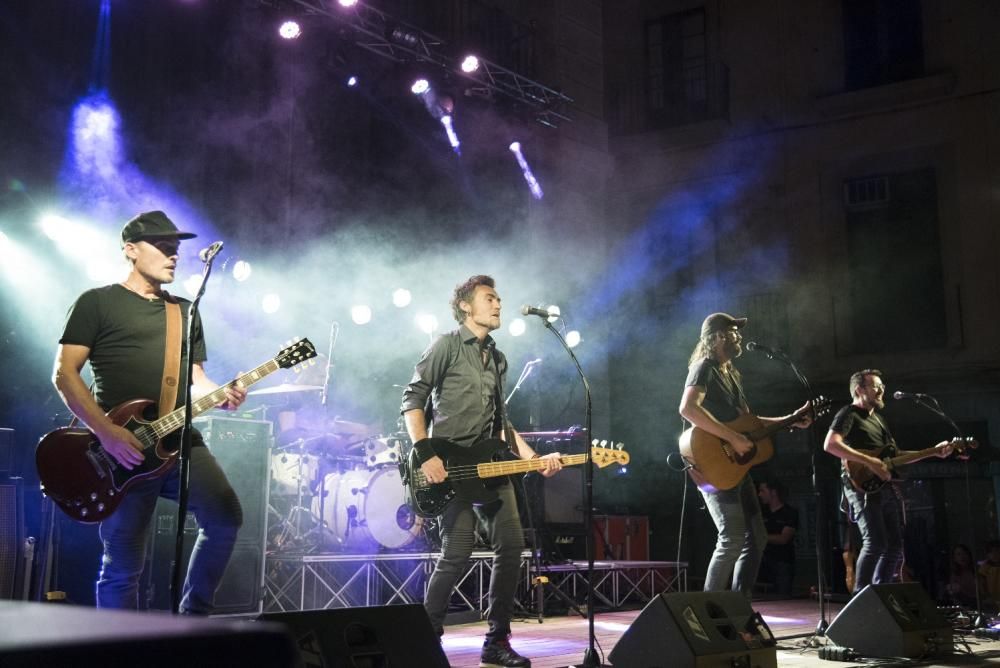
x,y
878,467
434,470
121,444
741,444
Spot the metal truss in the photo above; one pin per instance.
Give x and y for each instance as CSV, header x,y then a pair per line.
x,y
317,582
395,40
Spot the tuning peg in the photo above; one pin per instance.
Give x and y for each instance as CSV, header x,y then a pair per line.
x,y
620,445
594,442
604,444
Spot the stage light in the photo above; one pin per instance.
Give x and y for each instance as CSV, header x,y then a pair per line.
x,y
426,322
470,64
554,312
56,228
407,38
573,338
450,131
401,297
290,29
529,177
352,81
193,284
517,327
420,86
347,3
361,314
242,270
270,303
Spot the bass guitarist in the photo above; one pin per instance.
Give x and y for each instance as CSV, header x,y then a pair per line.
x,y
461,373
121,329
713,395
859,434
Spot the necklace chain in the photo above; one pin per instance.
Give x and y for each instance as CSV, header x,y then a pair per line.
x,y
128,287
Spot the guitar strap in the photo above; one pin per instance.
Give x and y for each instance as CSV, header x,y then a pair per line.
x,y
171,355
501,411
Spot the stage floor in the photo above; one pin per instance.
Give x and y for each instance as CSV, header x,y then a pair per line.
x,y
560,641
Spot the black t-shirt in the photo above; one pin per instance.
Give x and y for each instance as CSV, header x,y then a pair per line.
x,y
723,394
775,522
126,336
863,431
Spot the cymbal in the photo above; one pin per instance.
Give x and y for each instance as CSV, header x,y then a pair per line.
x,y
285,388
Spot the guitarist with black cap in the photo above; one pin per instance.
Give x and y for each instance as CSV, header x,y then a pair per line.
x,y
121,330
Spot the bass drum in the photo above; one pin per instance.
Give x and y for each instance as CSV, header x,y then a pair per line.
x,y
364,509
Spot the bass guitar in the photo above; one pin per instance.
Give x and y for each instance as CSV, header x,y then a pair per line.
x,y
717,466
88,484
864,479
475,471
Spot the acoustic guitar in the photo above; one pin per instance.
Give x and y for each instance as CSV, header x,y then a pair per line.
x,y
716,464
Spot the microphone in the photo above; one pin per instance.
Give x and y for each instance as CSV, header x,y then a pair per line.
x,y
769,353
208,254
897,395
540,312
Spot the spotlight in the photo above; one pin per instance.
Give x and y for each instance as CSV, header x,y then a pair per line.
x,y
352,81
470,64
270,303
420,86
554,312
401,297
361,314
452,137
573,338
529,177
55,227
426,322
290,29
242,270
407,38
347,3
517,327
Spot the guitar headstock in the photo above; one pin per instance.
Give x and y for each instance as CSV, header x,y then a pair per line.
x,y
820,405
295,353
605,453
960,444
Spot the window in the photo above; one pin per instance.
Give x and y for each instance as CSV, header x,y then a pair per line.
x,y
883,42
896,278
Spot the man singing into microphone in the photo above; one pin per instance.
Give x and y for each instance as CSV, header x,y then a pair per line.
x,y
712,397
859,434
121,330
462,375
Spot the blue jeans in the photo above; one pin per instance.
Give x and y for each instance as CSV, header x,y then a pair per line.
x,y
742,538
458,537
880,520
125,536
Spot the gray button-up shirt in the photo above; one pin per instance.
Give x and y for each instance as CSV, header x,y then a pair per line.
x,y
462,388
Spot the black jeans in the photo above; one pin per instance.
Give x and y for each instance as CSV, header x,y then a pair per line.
x,y
126,533
458,536
880,520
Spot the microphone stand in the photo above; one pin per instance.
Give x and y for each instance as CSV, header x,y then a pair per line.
x,y
590,659
529,366
980,620
821,519
184,461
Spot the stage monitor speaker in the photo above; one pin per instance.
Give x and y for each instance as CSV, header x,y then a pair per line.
x,y
243,450
50,635
696,630
11,537
384,636
892,620
7,452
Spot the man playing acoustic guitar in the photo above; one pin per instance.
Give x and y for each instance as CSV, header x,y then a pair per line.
x,y
121,330
859,434
462,375
713,396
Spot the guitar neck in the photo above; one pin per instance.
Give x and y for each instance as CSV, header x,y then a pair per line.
x,y
776,427
175,419
910,457
496,469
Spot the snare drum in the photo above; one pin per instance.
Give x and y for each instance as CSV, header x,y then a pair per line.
x,y
363,509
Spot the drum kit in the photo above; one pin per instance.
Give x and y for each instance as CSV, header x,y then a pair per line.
x,y
339,489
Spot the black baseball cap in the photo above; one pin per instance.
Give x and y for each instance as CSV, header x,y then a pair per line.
x,y
718,322
152,225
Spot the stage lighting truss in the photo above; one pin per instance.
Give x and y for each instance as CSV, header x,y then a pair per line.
x,y
374,31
